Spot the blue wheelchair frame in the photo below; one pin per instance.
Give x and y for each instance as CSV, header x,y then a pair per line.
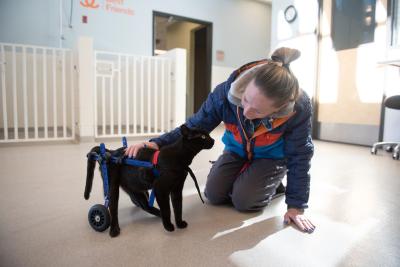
x,y
102,159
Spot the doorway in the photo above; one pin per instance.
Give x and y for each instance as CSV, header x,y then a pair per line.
x,y
172,31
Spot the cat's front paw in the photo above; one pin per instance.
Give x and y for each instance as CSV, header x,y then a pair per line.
x,y
181,224
169,227
114,231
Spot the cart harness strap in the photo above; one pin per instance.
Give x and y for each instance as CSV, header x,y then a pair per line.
x,y
137,163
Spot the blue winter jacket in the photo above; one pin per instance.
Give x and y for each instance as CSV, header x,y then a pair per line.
x,y
283,138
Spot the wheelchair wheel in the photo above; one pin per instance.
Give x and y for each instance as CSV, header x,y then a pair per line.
x,y
99,217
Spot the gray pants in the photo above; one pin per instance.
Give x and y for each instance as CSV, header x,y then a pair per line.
x,y
250,190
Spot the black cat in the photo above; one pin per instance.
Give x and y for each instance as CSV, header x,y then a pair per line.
x,y
173,165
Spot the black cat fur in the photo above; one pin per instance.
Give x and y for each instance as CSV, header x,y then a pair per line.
x,y
173,163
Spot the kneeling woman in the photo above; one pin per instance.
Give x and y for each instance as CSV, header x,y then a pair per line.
x,y
267,120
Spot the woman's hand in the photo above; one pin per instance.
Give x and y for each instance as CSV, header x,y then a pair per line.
x,y
296,216
133,149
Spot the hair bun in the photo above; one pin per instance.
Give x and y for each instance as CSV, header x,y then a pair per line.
x,y
285,55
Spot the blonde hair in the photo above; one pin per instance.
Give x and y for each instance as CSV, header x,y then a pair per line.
x,y
275,79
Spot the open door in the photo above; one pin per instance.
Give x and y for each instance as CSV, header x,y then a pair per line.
x,y
171,31
202,66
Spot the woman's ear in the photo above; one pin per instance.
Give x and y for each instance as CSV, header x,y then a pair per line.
x,y
184,130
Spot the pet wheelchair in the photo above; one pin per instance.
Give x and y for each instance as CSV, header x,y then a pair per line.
x,y
99,216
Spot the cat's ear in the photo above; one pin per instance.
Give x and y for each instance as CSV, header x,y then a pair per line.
x,y
184,130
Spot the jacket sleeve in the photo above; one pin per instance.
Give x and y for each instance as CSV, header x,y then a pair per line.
x,y
208,117
299,150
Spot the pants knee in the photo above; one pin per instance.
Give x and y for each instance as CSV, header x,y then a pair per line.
x,y
242,202
214,196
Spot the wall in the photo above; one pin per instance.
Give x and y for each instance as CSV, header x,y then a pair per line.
x,y
240,28
299,34
391,131
392,80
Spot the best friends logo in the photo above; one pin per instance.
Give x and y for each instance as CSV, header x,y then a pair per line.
x,y
89,4
113,6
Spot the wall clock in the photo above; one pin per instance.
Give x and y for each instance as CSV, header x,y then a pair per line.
x,y
290,13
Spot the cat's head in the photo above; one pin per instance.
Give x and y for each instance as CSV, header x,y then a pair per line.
x,y
197,137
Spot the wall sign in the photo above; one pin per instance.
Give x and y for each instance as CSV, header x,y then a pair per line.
x,y
89,4
220,55
112,6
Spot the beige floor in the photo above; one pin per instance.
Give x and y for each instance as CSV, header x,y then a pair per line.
x,y
354,203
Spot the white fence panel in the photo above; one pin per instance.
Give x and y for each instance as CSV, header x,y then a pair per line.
x,y
133,95
37,95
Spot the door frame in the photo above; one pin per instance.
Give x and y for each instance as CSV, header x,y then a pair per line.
x,y
180,18
209,51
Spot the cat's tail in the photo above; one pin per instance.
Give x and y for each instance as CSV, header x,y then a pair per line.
x,y
91,164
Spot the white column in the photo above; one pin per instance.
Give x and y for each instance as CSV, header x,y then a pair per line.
x,y
86,88
178,71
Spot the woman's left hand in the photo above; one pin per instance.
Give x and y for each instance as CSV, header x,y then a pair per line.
x,y
297,216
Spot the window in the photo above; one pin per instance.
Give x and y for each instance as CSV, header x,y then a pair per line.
x,y
353,23
395,23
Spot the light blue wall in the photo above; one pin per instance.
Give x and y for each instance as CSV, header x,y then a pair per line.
x,y
240,28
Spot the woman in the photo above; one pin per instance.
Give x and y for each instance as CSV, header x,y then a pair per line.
x,y
267,135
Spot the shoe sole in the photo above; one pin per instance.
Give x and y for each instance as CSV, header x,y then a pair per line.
x,y
277,195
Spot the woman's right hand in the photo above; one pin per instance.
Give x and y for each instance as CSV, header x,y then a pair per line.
x,y
132,150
